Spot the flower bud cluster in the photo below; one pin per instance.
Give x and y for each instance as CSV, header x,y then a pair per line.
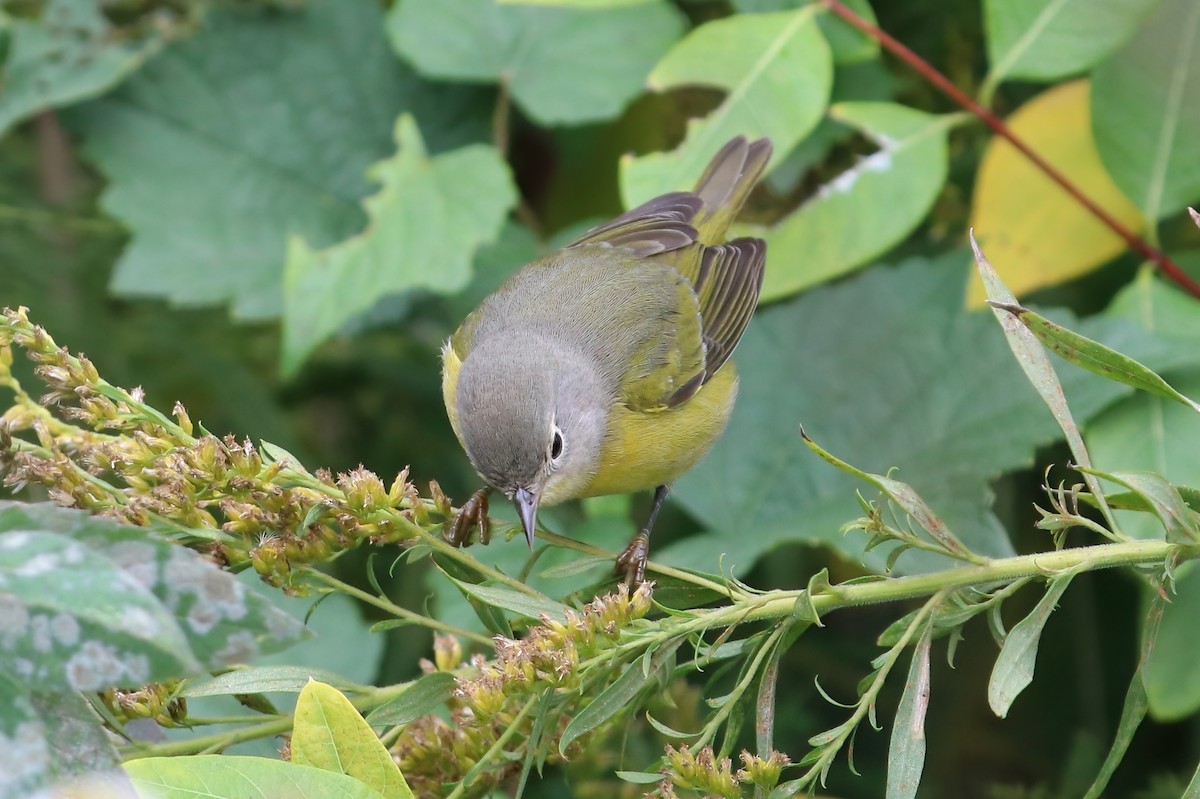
x,y
158,701
108,452
703,774
433,752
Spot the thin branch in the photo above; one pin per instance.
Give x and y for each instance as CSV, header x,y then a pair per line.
x,y
998,126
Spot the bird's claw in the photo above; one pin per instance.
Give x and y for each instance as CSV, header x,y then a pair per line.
x,y
632,562
472,518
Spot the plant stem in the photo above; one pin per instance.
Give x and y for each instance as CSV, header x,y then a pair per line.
x,y
394,609
998,126
495,749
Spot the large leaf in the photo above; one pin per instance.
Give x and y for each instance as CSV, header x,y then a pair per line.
x,y
36,728
68,55
1031,229
848,44
867,208
886,370
1049,39
237,777
258,127
1147,432
1146,111
777,71
143,586
562,65
428,211
1171,677
329,733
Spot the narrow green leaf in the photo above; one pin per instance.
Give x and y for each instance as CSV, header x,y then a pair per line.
x,y
611,701
906,752
428,210
1192,791
1036,365
869,207
1014,666
492,618
528,605
749,56
639,777
1179,522
1133,711
669,731
1094,356
565,65
422,697
265,679
240,777
329,733
905,497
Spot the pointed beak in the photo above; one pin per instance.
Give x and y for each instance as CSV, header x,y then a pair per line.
x,y
526,503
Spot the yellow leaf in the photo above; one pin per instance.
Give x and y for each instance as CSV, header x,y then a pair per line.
x,y
1031,229
329,733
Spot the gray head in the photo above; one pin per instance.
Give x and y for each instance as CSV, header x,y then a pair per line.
x,y
532,416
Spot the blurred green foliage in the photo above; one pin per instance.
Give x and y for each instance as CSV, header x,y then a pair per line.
x,y
204,197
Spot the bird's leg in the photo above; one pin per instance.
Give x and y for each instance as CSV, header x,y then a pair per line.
x,y
472,517
632,562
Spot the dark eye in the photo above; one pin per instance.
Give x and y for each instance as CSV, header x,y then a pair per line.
x,y
556,445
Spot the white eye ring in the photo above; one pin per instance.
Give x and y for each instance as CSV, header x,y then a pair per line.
x,y
556,445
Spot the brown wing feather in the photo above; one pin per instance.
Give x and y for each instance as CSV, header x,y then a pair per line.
x,y
684,230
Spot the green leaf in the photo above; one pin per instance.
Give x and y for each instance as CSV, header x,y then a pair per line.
x,y
329,733
1039,371
1172,679
905,497
1145,432
1094,356
239,777
36,728
264,679
256,128
847,43
1146,111
1133,711
421,697
869,207
428,211
527,605
1014,666
68,55
906,752
926,387
220,620
639,777
1179,522
749,56
1045,40
612,700
563,66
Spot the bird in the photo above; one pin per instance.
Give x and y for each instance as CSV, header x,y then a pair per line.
x,y
604,367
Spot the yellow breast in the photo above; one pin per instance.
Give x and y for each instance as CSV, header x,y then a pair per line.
x,y
642,450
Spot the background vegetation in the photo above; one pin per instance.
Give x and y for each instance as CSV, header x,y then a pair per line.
x,y
275,212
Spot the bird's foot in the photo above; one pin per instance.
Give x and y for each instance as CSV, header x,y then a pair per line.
x,y
632,562
472,518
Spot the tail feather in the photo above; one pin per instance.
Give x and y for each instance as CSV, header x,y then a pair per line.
x,y
726,184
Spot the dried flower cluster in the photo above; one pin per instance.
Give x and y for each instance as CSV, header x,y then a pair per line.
x,y
702,773
110,453
432,752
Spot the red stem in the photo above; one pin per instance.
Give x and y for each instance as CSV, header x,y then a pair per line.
x,y
997,125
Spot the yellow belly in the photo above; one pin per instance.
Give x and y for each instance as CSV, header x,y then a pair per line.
x,y
641,450
644,450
